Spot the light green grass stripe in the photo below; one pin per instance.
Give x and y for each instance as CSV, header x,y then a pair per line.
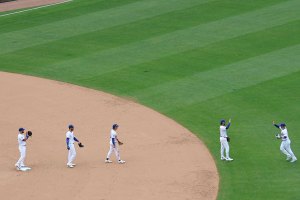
x,y
220,81
179,41
17,40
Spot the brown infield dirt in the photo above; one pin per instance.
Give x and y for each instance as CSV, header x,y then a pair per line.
x,y
163,159
20,4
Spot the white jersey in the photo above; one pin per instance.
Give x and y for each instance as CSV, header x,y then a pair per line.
x,y
284,134
21,137
70,135
113,136
223,131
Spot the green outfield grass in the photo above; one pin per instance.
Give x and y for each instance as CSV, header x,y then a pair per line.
x,y
196,61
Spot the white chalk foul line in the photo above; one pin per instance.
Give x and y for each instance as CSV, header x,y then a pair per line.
x,y
35,8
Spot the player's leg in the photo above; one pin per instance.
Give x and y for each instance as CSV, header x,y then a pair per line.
x,y
222,149
226,146
73,153
23,154
18,164
116,150
283,150
289,150
109,154
69,157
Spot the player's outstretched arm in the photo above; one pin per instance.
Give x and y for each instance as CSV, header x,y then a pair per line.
x,y
275,124
119,142
229,123
76,140
79,143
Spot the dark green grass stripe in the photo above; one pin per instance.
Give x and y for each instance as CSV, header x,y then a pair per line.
x,y
132,32
48,15
131,79
13,41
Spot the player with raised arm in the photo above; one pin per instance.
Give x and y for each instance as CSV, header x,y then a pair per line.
x,y
285,146
20,165
224,139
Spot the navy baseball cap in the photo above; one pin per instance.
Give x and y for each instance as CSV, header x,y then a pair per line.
x,y
21,129
282,125
223,120
115,126
71,126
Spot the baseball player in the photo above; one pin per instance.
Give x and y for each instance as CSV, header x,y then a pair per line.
x,y
224,140
22,148
70,139
285,146
114,142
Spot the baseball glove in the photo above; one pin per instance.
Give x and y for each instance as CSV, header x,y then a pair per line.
x,y
228,139
80,145
278,136
120,143
29,133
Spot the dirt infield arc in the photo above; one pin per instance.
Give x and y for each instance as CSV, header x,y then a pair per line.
x,y
164,160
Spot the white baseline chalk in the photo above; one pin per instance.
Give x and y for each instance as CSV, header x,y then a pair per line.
x,y
35,8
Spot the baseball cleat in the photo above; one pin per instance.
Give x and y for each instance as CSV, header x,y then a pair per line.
x,y
288,158
294,160
25,168
73,164
121,161
223,158
229,159
108,161
70,166
18,168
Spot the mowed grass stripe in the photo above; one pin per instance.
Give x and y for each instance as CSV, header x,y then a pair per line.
x,y
178,41
13,41
50,15
127,81
222,80
132,32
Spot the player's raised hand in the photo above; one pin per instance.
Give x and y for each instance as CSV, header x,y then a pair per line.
x,y
273,122
229,120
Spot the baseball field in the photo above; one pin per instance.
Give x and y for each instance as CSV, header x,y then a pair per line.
x,y
194,61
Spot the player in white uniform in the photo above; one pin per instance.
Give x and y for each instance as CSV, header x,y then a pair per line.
x,y
22,148
224,141
114,141
70,139
285,146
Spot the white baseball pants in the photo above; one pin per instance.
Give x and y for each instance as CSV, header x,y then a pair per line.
x,y
115,149
285,148
21,160
224,146
72,154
